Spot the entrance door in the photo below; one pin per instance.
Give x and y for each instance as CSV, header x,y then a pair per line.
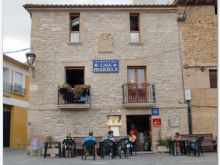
x,y
143,126
6,125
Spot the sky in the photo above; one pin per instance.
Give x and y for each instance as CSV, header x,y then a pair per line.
x,y
17,22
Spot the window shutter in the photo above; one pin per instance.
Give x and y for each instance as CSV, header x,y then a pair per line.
x,y
213,78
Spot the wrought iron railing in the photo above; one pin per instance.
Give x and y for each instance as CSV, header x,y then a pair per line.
x,y
67,96
139,93
18,89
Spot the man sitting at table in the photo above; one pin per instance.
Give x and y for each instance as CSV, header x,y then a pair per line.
x,y
177,138
110,136
92,138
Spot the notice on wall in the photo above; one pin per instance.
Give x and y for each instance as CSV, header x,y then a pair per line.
x,y
114,120
156,122
116,131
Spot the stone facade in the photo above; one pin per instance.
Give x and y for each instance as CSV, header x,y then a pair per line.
x,y
158,50
199,34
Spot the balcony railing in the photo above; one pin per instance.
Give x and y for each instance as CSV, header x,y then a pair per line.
x,y
67,96
7,88
18,89
139,93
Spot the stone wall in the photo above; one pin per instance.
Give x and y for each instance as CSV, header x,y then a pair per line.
x,y
158,50
199,33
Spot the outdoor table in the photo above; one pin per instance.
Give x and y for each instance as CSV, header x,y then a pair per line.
x,y
184,146
55,143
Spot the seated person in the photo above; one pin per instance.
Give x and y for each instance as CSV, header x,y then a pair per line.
x,y
132,139
110,136
92,138
176,138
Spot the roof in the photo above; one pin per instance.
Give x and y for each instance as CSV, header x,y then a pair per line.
x,y
31,7
18,63
195,2
94,6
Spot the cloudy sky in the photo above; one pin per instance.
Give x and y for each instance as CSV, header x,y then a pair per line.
x,y
17,22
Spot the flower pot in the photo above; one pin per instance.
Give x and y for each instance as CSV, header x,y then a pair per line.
x,y
162,149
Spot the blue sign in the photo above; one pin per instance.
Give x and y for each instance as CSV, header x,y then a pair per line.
x,y
155,112
105,66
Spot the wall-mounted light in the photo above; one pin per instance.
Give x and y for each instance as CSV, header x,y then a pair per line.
x,y
202,68
181,17
30,60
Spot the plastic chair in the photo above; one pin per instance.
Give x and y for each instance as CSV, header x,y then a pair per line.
x,y
196,146
122,147
107,148
69,147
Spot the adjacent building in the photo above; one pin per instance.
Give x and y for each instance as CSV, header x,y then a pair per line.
x,y
102,67
15,103
199,54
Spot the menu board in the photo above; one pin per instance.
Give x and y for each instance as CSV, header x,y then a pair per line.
x,y
114,120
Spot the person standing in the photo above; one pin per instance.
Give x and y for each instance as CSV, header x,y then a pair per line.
x,y
176,138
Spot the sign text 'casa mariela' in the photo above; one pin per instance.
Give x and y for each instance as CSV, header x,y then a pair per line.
x,y
105,66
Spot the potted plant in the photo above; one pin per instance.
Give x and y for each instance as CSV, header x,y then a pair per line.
x,y
64,87
163,145
81,91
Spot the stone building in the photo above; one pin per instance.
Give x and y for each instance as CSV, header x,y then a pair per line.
x,y
130,57
15,103
199,50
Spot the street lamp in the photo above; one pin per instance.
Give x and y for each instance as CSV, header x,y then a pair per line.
x,y
30,60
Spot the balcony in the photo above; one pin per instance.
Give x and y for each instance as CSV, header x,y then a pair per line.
x,y
7,88
139,95
68,99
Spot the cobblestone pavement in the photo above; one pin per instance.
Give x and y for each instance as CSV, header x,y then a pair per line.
x,y
19,157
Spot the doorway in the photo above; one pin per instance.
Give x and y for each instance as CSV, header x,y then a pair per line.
x,y
75,75
6,125
141,123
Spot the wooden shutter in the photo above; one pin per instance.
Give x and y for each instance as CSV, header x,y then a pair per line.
x,y
213,78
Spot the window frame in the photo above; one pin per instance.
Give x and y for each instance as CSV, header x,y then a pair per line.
x,y
70,26
74,68
136,73
134,14
22,86
9,75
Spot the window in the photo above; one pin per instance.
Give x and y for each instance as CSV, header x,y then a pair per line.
x,y
19,83
6,75
134,28
136,74
74,76
6,81
74,28
216,9
213,78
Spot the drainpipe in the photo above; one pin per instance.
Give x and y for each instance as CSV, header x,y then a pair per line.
x,y
189,116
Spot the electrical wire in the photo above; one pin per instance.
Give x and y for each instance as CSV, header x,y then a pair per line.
x,y
15,51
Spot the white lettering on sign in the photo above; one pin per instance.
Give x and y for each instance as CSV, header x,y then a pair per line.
x,y
110,110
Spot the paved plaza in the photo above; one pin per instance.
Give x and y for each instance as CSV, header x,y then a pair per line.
x,y
19,157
